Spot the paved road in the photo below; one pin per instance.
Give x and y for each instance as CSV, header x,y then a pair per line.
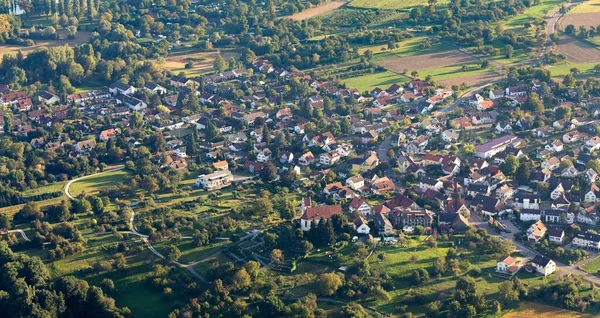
x,y
385,146
552,18
463,98
88,176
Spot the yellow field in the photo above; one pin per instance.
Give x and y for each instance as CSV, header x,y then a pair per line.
x,y
586,7
80,38
203,62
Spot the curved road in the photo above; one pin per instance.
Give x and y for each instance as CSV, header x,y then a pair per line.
x,y
68,185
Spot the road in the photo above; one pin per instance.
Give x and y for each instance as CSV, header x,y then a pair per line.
x,y
383,148
22,234
552,18
463,98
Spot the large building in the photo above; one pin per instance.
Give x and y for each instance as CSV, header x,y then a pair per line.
x,y
215,180
495,146
314,214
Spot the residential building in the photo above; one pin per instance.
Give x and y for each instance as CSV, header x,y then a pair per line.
x,y
214,181
587,240
536,231
312,215
543,265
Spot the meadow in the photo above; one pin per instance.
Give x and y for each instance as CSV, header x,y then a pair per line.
x,y
392,4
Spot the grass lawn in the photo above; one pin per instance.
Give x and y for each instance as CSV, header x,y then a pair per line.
x,y
94,184
392,4
592,266
564,68
370,81
52,187
191,253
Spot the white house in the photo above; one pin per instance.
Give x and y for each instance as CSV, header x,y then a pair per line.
x,y
507,265
214,181
361,225
357,204
543,265
528,215
536,231
556,235
315,214
587,240
355,183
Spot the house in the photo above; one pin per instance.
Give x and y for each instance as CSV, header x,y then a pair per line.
x,y
496,94
264,155
495,146
525,200
361,225
556,216
221,165
450,135
355,183
456,222
592,195
107,134
473,189
543,265
430,183
48,98
555,146
315,214
551,164
383,225
382,185
214,181
536,231
328,159
131,102
587,240
85,145
486,205
507,265
592,144
556,235
358,204
306,159
571,137
120,88
180,81
154,88
528,215
410,217
569,172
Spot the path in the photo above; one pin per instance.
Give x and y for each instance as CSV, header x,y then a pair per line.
x,y
464,97
68,185
552,18
22,234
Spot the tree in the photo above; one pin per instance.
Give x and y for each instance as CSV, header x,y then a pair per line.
x,y
510,165
268,172
220,64
353,310
97,205
569,80
107,285
523,174
173,253
241,279
329,283
509,50
31,211
277,255
5,221
252,268
507,292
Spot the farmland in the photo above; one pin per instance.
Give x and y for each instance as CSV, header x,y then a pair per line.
x,y
531,309
201,63
577,51
370,81
318,10
80,38
586,13
391,4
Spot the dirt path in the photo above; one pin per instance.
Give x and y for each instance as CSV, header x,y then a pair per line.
x,y
318,10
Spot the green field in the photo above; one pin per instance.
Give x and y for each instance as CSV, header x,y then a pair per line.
x,y
391,4
592,266
91,185
564,68
370,81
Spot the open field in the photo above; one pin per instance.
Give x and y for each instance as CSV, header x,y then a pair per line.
x,y
531,309
80,38
577,51
592,266
94,184
391,4
562,69
370,81
581,19
318,10
426,61
586,13
202,62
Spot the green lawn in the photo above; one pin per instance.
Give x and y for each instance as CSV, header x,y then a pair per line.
x,y
391,4
592,266
455,72
564,68
370,81
94,184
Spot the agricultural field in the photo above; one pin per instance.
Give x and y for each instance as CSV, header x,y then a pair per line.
x,y
427,61
531,309
585,14
370,81
391,4
318,10
202,62
577,51
80,38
